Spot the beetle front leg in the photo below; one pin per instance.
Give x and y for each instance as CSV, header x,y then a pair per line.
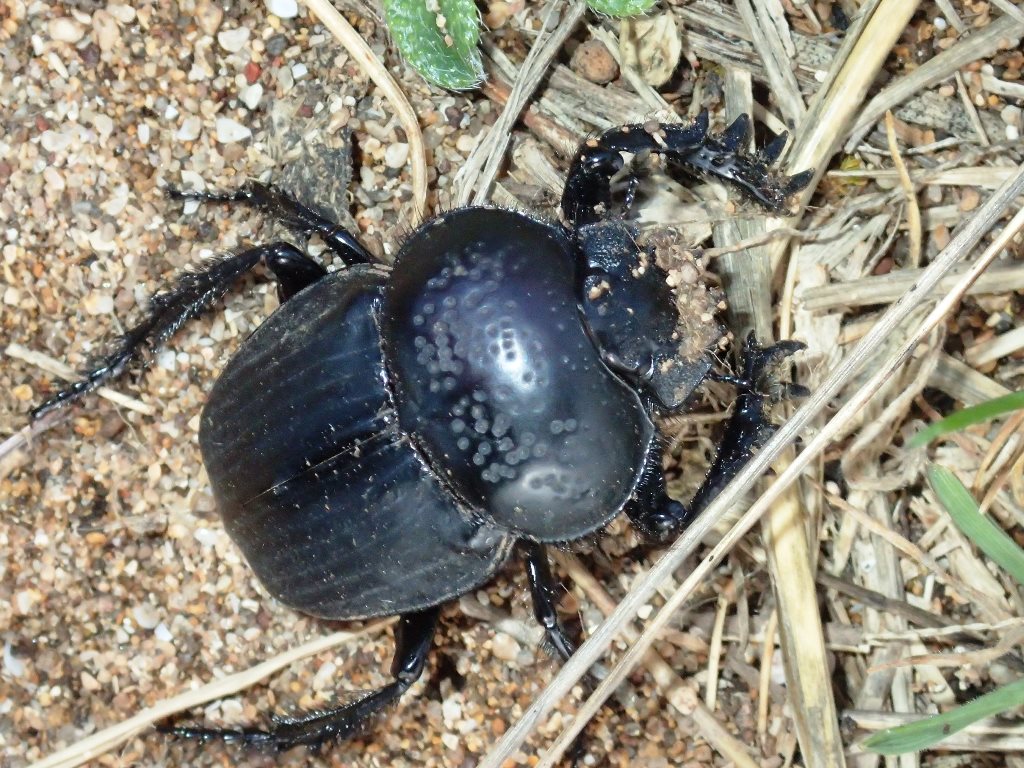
x,y
587,197
413,639
659,517
193,293
289,212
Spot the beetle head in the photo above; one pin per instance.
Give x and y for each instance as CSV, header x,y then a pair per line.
x,y
632,315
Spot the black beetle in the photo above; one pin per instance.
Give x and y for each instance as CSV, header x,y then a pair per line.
x,y
379,445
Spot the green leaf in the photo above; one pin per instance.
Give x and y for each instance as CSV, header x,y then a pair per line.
x,y
439,39
968,417
923,734
989,537
621,7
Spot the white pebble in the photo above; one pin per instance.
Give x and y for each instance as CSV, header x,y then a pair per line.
x,y
299,71
206,537
1012,132
15,667
108,34
98,303
162,633
192,180
233,40
251,95
143,133
286,9
230,131
124,14
65,30
104,126
325,676
54,141
451,710
504,647
396,155
1011,115
450,740
165,359
939,23
146,616
190,129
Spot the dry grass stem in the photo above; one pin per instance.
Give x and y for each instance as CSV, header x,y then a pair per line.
x,y
985,177
676,690
979,44
360,50
882,289
110,738
57,368
765,22
909,192
482,166
990,735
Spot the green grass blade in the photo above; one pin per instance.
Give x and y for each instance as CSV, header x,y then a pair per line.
x,y
621,7
968,417
446,56
989,537
923,734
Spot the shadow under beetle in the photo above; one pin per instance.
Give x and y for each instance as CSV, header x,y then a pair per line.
x,y
382,441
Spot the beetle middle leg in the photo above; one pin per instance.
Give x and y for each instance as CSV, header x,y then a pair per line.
x,y
193,293
414,636
289,212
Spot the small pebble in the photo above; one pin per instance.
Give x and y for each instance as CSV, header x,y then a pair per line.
x,y
233,40
98,303
53,141
191,127
299,71
230,131
592,61
209,15
108,34
450,740
146,616
251,95
285,9
276,45
504,647
65,30
396,155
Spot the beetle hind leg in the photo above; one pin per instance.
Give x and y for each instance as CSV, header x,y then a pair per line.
x,y
413,638
192,293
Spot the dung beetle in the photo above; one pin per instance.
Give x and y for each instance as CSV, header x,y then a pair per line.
x,y
382,442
